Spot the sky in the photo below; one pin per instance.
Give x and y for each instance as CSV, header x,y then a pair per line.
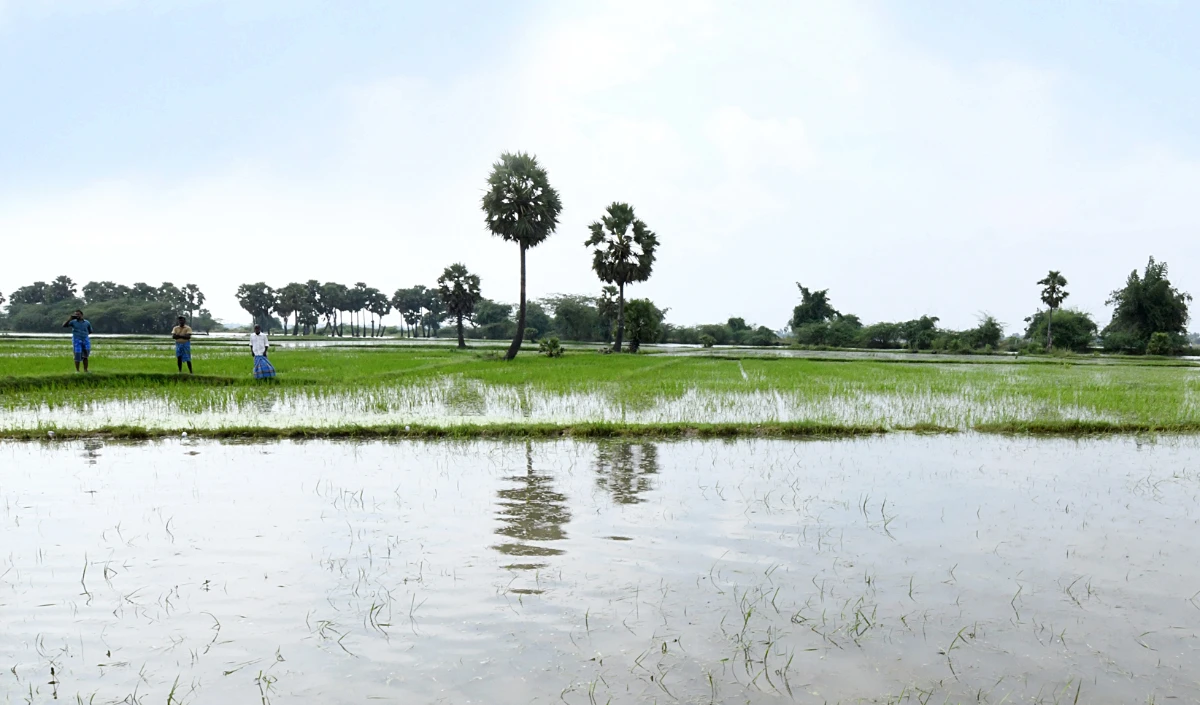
x,y
913,157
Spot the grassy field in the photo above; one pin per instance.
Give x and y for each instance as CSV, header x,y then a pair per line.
x,y
393,390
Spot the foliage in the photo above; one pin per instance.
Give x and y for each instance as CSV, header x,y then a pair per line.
x,y
550,347
1053,294
760,337
919,333
1073,329
459,291
258,300
707,340
576,317
111,308
1159,344
1053,291
537,319
290,300
1146,305
520,206
814,307
643,323
622,253
409,303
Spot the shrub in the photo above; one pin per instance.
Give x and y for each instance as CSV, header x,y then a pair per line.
x,y
707,340
1160,344
550,347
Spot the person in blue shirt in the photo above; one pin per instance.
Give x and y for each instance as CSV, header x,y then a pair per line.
x,y
80,330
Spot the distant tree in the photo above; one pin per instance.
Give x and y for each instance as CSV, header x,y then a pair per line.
x,y
334,300
95,292
644,322
494,320
194,298
737,325
919,334
143,291
1076,329
2,299
538,322
356,303
258,300
310,310
34,293
1053,294
409,303
205,322
520,206
459,291
622,253
762,336
380,305
61,289
987,334
288,301
172,296
882,335
1146,305
575,317
814,307
435,313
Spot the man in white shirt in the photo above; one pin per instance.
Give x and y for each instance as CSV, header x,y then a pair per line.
x,y
258,348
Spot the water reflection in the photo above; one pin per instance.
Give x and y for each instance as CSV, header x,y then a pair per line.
x,y
91,450
532,514
626,470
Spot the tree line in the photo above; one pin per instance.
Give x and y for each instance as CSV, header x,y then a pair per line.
x,y
111,308
1150,316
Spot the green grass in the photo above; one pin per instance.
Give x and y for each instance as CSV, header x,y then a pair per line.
x,y
354,390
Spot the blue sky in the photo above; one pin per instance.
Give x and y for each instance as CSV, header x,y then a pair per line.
x,y
913,157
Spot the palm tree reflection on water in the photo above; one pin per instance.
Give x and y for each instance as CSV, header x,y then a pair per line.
x,y
532,514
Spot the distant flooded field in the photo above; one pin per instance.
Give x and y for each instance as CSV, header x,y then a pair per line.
x,y
899,569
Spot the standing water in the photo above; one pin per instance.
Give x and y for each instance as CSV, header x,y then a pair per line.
x,y
894,569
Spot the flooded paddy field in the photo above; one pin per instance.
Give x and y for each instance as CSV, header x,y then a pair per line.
x,y
134,385
897,569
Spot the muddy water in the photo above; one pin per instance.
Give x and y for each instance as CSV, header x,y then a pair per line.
x,y
899,569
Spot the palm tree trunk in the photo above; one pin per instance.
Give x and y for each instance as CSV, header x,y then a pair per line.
x,y
1049,332
461,343
516,343
620,317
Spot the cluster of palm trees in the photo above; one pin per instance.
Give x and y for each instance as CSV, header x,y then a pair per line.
x,y
520,206
335,309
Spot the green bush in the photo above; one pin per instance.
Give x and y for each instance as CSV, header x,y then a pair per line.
x,y
707,340
550,347
1160,344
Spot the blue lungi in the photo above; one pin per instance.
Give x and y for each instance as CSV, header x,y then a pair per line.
x,y
263,368
183,351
